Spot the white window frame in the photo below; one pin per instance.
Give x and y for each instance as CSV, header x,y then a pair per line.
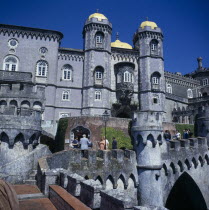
x,y
155,80
64,114
153,46
168,88
41,70
10,65
67,73
98,74
99,38
189,93
205,82
66,95
127,76
98,95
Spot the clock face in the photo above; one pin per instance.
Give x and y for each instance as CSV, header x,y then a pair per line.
x,y
43,50
13,43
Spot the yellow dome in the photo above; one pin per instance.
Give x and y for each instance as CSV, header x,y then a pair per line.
x,y
153,25
99,16
120,44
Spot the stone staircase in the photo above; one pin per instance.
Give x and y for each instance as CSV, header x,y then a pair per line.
x,y
32,178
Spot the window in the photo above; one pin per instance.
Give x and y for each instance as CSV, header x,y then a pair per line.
x,y
154,47
41,68
67,72
189,93
98,95
99,38
155,80
155,100
10,63
63,115
66,95
128,77
205,82
168,88
13,43
98,74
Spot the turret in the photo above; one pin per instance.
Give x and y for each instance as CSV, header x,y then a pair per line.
x,y
147,130
96,81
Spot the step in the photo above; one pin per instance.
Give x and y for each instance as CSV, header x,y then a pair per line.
x,y
31,196
30,182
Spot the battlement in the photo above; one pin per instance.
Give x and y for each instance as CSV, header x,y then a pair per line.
x,y
191,143
186,151
181,79
75,156
90,164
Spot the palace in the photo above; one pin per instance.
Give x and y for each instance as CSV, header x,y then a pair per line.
x,y
105,75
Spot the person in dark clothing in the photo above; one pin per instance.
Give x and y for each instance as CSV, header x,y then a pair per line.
x,y
167,135
75,143
114,143
190,133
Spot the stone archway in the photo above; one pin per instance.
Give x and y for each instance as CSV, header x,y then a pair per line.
x,y
186,195
79,131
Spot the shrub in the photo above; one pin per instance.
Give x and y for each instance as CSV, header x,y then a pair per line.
x,y
124,141
60,135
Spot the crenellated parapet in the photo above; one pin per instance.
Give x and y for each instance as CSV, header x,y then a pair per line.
x,y
32,33
181,79
105,166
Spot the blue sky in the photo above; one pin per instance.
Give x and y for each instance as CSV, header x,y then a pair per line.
x,y
185,23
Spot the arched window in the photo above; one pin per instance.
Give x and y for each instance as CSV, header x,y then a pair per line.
x,y
98,95
127,77
154,47
168,88
67,72
98,76
10,63
66,95
155,81
189,93
205,82
99,39
41,68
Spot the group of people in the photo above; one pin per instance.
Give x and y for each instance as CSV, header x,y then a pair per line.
x,y
186,134
104,143
84,143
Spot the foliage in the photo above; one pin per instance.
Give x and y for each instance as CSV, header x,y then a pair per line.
x,y
60,135
181,127
123,140
49,142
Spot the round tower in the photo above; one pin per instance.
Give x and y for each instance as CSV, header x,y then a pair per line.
x,y
147,130
97,76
